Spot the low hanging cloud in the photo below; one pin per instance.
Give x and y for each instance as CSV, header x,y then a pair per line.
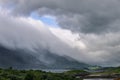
x,y
27,34
89,28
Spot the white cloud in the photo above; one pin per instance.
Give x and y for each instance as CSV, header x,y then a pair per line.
x,y
68,37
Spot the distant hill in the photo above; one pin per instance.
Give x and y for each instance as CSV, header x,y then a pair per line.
x,y
22,59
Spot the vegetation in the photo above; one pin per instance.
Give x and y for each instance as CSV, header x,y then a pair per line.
x,y
111,71
11,74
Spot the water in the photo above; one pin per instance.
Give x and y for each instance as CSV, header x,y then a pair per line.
x,y
97,79
55,70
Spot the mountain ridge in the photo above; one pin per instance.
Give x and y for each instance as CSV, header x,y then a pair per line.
x,y
22,59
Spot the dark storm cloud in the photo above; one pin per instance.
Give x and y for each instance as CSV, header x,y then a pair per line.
x,y
88,16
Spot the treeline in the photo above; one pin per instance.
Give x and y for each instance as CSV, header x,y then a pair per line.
x,y
12,74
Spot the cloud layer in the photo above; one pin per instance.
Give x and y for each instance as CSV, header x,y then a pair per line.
x,y
89,29
25,33
88,16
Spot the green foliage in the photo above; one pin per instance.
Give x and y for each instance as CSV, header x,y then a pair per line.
x,y
11,74
108,71
74,72
112,70
29,76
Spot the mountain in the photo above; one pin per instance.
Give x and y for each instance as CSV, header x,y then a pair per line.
x,y
64,62
43,59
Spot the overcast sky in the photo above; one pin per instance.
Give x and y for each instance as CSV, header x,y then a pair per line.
x,y
86,30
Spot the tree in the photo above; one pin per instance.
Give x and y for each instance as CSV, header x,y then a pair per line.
x,y
29,76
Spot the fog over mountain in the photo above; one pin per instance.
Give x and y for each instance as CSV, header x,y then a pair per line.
x,y
26,43
87,31
22,59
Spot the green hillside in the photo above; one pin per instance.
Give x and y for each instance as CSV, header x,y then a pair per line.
x,y
10,74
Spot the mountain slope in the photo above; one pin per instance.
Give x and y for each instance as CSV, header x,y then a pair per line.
x,y
64,62
22,59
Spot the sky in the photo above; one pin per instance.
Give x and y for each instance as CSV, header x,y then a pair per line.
x,y
86,30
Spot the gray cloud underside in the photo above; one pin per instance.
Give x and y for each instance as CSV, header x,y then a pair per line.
x,y
97,22
88,16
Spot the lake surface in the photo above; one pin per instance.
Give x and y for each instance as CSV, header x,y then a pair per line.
x,y
55,70
97,79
